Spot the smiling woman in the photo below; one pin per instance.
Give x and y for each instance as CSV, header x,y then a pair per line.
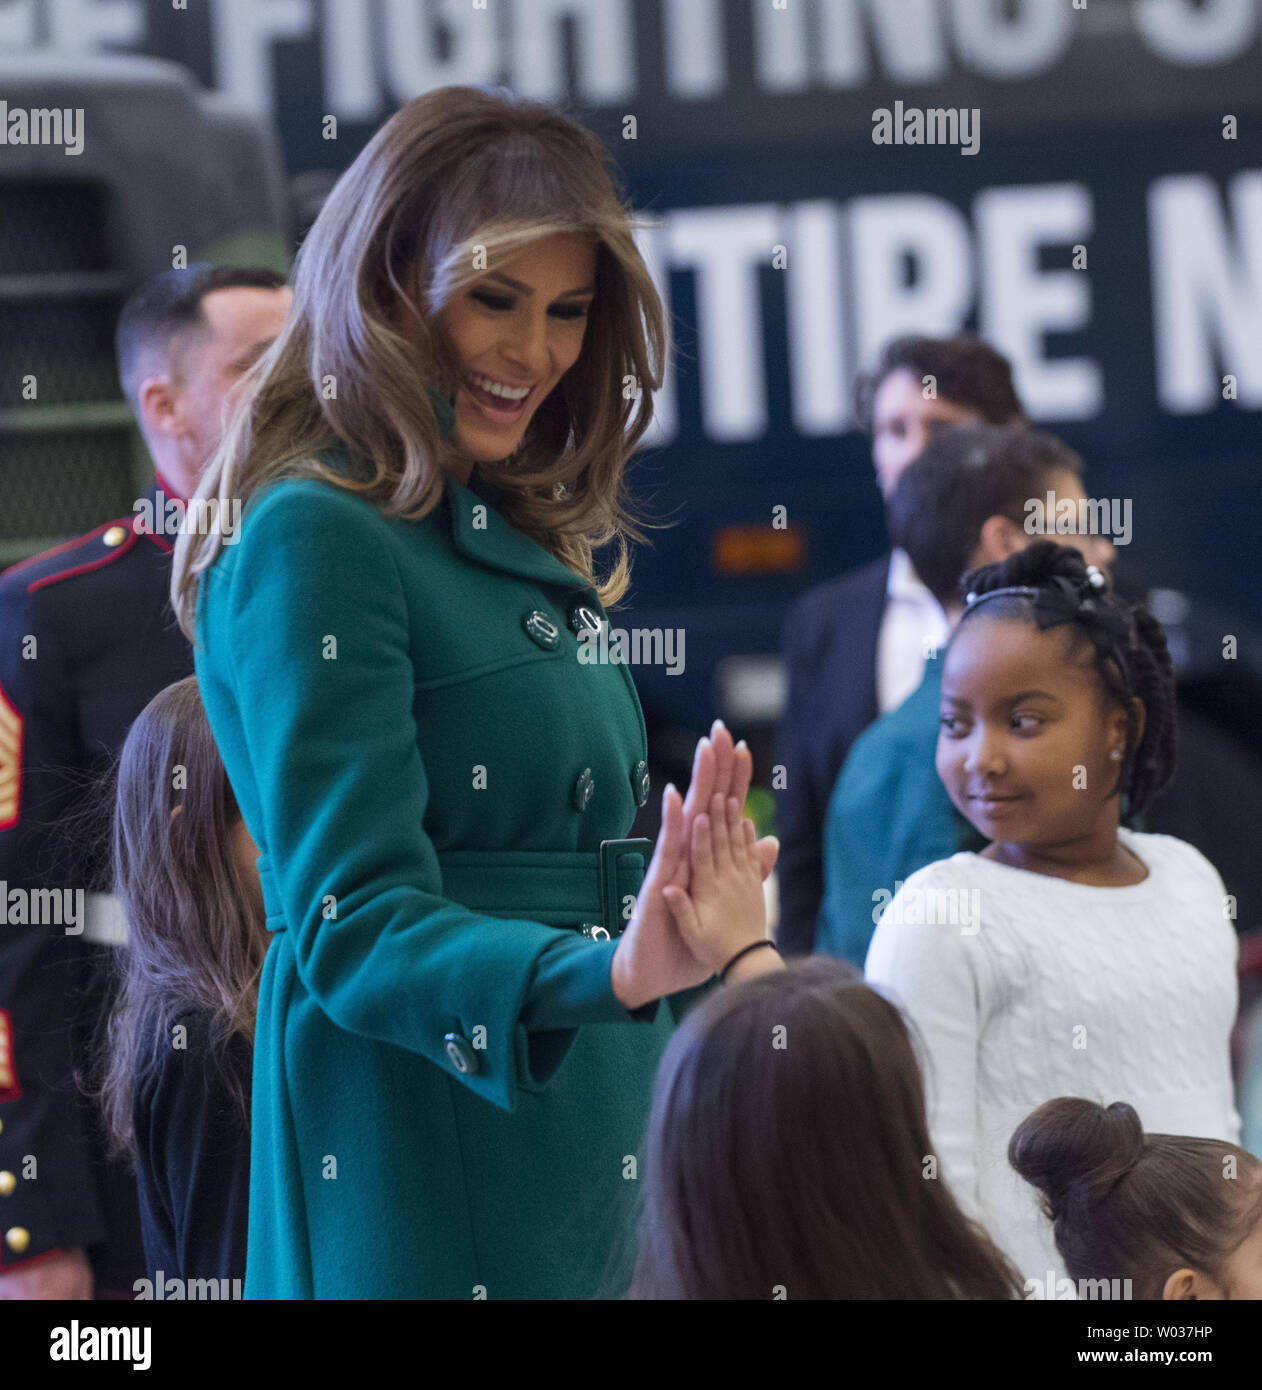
x,y
480,246
515,337
458,1025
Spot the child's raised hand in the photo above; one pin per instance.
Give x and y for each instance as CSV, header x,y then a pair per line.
x,y
723,910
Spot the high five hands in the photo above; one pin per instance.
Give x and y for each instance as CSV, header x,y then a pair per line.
x,y
678,940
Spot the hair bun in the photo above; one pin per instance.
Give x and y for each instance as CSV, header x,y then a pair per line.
x,y
1074,1150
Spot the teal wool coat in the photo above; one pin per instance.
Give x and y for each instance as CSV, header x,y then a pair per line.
x,y
449,1101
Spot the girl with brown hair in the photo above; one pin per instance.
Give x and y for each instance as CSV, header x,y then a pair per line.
x,y
805,1169
459,1011
788,1152
175,1088
1167,1216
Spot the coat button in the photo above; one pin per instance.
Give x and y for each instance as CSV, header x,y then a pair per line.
x,y
541,629
640,782
583,789
17,1238
7,1183
116,535
460,1054
584,619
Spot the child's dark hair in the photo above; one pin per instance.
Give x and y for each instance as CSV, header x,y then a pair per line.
x,y
788,1147
961,478
196,935
1130,1205
966,371
1129,649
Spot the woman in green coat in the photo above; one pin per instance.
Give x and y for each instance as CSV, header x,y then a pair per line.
x,y
459,1018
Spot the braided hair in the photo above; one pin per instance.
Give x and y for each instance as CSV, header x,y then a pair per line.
x,y
1051,585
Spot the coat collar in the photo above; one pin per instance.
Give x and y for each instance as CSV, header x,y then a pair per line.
x,y
486,536
490,539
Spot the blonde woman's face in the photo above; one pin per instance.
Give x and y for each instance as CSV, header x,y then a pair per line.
x,y
516,332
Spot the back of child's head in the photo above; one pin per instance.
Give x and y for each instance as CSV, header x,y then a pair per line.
x,y
196,937
961,478
1130,1205
788,1150
1051,585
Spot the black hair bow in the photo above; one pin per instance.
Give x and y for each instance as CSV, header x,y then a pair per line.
x,y
1112,633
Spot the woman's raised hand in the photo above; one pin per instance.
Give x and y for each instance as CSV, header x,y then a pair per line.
x,y
652,959
719,768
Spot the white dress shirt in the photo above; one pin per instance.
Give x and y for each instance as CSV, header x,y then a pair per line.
x,y
913,622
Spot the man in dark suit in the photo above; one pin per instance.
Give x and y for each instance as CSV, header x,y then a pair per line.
x,y
853,645
87,638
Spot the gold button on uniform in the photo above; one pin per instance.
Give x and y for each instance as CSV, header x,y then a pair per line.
x,y
17,1238
116,535
7,1183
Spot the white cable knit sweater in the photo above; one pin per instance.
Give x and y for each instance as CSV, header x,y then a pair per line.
x,y
1060,989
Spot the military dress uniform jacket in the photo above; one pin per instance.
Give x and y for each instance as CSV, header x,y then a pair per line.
x,y
87,638
448,1099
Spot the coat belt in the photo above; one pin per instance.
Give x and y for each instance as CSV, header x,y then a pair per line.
x,y
561,888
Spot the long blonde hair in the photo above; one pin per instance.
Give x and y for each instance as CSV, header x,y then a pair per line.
x,y
454,170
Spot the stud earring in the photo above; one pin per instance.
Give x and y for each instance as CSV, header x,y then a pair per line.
x,y
1115,755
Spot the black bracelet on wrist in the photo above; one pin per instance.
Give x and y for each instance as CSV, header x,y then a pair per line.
x,y
753,946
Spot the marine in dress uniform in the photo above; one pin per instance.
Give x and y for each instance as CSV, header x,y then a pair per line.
x,y
87,638
448,1098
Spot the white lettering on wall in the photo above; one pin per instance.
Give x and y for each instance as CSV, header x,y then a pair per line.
x,y
889,234
1207,292
726,246
1020,303
1193,32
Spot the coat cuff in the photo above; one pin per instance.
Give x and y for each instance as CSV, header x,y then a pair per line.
x,y
571,987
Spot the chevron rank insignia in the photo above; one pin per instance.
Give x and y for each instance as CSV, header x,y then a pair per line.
x,y
9,1088
10,762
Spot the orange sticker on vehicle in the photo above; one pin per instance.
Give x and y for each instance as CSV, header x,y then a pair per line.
x,y
10,762
9,1088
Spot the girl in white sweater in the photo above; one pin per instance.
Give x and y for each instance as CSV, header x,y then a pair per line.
x,y
1071,956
